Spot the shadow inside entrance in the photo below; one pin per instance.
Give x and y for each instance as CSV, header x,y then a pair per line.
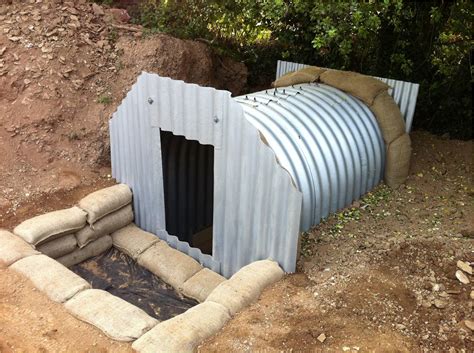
x,y
118,274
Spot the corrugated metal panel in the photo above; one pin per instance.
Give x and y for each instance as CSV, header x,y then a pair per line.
x,y
256,206
404,93
328,141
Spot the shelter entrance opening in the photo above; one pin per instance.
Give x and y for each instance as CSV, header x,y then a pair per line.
x,y
188,182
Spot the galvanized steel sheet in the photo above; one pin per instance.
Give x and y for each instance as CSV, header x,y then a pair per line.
x,y
256,205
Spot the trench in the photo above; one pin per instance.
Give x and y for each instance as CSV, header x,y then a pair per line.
x,y
120,275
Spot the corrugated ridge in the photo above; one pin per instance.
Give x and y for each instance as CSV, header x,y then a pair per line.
x,y
404,93
327,140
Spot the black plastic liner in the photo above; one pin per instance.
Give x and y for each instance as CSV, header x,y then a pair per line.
x,y
120,275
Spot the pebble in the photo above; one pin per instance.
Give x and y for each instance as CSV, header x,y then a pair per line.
x,y
440,304
464,266
321,338
472,295
469,324
462,277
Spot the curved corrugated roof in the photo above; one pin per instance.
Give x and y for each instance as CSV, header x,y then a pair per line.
x,y
328,141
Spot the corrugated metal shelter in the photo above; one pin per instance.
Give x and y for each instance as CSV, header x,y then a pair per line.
x,y
246,173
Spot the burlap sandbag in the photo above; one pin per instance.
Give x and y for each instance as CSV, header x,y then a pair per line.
x,y
201,284
105,201
92,249
397,164
106,225
389,117
50,277
132,240
59,247
117,318
184,332
13,248
52,225
364,87
171,265
245,286
306,75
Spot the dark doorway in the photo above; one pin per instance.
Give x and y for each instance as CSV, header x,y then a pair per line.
x,y
188,181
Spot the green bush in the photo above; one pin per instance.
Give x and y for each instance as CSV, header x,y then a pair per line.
x,y
426,42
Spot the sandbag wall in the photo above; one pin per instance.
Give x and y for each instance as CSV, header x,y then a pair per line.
x,y
373,93
76,234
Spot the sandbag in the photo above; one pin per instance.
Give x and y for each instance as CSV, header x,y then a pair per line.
x,y
389,117
184,332
59,247
92,249
171,265
106,225
50,277
13,248
117,318
201,284
245,286
306,75
364,87
132,240
105,201
52,225
397,164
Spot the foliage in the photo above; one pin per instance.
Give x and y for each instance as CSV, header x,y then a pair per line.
x,y
426,42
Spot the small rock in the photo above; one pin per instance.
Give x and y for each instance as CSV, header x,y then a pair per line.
x,y
400,327
469,324
426,304
440,304
2,50
97,9
321,338
15,39
462,277
472,294
464,266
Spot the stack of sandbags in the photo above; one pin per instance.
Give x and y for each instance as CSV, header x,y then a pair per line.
x,y
53,233
107,210
76,234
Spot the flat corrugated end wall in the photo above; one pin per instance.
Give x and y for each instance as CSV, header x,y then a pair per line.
x,y
256,205
404,93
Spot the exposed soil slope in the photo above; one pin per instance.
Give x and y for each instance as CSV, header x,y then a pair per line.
x,y
64,68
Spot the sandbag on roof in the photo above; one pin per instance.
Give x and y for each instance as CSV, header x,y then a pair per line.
x,y
308,74
364,87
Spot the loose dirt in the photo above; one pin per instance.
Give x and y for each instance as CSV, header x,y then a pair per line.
x,y
64,68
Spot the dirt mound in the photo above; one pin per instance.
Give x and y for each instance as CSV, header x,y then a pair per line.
x,y
64,68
